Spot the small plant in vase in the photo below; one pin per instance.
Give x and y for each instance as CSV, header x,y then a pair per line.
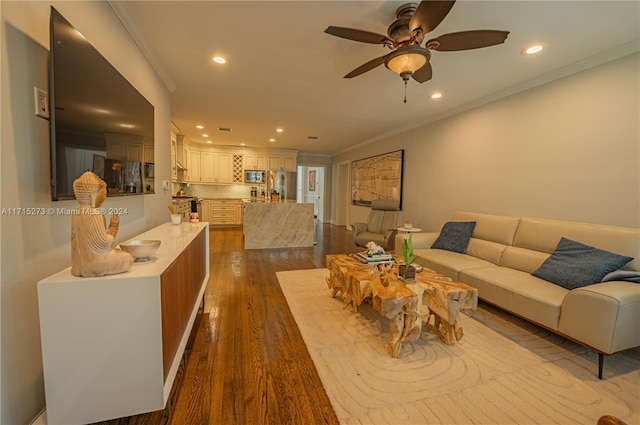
x,y
406,272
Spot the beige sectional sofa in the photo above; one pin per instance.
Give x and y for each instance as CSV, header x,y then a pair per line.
x,y
502,253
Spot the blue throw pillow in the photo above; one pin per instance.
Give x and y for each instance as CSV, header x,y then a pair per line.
x,y
573,264
455,236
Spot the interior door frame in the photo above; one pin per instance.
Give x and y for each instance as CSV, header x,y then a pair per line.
x,y
342,186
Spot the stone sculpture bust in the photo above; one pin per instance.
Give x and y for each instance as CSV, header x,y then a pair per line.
x,y
92,251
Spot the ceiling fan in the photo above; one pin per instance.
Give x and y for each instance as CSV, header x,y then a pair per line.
x,y
413,21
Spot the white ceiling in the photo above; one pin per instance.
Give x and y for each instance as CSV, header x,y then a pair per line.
x,y
284,71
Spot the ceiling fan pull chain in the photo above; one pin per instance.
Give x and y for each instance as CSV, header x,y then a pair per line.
x,y
405,91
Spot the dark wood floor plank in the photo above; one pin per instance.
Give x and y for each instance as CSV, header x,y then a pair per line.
x,y
246,362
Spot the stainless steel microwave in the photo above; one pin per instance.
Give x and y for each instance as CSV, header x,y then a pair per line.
x,y
254,176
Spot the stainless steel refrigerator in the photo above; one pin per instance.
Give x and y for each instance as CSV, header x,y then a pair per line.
x,y
285,182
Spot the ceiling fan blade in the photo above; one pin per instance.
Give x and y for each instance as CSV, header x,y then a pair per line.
x,y
366,67
429,14
358,35
467,40
423,74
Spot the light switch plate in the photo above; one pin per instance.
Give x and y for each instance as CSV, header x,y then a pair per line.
x,y
41,102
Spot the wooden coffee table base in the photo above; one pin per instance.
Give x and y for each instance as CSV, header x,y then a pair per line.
x,y
406,305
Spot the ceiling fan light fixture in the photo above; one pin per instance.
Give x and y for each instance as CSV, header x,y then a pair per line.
x,y
406,61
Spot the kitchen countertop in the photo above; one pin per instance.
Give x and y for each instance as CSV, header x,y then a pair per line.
x,y
259,201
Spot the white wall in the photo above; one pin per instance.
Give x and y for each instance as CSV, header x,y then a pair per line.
x,y
568,150
34,247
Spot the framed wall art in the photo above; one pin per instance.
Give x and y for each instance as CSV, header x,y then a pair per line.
x,y
312,181
377,177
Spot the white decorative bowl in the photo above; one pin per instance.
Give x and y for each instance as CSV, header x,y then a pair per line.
x,y
141,250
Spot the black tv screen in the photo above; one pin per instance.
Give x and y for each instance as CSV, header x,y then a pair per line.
x,y
99,121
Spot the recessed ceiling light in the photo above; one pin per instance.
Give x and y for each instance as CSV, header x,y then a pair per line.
x,y
209,141
272,140
533,49
199,127
205,135
279,130
219,59
436,95
242,144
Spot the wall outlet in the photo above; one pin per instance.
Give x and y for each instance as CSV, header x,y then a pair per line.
x,y
41,101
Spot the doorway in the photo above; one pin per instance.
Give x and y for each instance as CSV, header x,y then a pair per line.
x,y
311,188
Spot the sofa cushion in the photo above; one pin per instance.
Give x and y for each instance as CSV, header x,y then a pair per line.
x,y
455,236
447,262
574,264
490,227
518,292
485,250
526,260
543,235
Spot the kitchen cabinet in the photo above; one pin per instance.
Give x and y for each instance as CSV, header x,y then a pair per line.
x,y
286,162
207,167
206,210
216,167
255,161
192,174
174,153
224,167
225,212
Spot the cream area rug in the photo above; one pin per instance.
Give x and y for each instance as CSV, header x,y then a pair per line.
x,y
504,370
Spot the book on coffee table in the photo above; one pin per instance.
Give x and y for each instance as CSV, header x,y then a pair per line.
x,y
374,258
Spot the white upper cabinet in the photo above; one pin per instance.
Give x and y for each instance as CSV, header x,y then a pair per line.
x,y
192,173
216,167
283,160
255,160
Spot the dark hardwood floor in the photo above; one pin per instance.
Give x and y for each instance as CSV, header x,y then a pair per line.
x,y
246,362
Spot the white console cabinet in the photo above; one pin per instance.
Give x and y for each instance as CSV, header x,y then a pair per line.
x,y
111,345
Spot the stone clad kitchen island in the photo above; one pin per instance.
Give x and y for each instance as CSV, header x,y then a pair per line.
x,y
277,225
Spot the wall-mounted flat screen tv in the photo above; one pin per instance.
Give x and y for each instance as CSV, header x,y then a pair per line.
x,y
99,121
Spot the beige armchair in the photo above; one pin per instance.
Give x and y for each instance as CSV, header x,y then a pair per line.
x,y
381,225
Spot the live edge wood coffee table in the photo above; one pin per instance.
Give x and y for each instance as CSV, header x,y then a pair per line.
x,y
406,304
